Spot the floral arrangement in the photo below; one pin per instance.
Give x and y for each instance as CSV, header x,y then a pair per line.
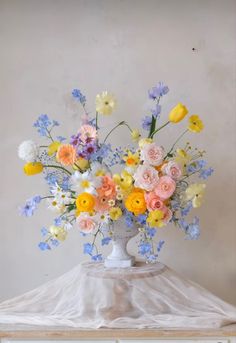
x,y
152,188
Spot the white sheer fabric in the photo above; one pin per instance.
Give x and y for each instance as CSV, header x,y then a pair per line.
x,y
144,296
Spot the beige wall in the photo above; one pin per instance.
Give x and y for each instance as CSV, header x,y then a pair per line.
x,y
126,46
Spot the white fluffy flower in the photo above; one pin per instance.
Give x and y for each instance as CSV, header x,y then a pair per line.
x,y
98,169
28,151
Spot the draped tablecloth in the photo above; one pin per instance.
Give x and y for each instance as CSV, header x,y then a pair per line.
x,y
144,296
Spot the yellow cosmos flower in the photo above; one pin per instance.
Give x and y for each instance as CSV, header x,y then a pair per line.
x,y
33,168
195,124
131,159
105,103
135,202
85,202
58,232
52,148
195,193
135,134
178,113
81,163
124,181
144,141
154,218
115,213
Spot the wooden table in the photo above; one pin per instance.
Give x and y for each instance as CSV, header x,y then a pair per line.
x,y
42,334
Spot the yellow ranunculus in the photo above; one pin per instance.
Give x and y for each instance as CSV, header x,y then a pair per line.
x,y
85,202
33,168
58,232
135,134
135,202
155,217
178,113
105,103
195,124
124,181
115,213
52,148
144,141
81,163
195,193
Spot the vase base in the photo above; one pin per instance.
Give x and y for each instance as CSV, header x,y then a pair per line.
x,y
109,263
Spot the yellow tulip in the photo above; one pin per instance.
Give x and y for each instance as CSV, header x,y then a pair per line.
x,y
33,168
178,113
52,148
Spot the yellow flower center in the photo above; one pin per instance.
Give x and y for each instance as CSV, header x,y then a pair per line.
x,y
85,184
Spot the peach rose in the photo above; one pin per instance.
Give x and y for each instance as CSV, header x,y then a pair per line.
x,y
167,214
172,169
102,202
152,154
153,201
146,177
108,187
85,223
165,187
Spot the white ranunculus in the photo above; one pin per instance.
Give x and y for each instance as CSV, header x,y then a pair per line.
x,y
28,151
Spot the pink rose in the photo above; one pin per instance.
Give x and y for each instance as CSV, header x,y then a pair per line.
x,y
167,214
146,177
152,154
165,187
153,202
172,169
85,223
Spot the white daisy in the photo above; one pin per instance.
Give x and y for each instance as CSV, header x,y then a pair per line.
x,y
85,182
55,206
64,198
99,169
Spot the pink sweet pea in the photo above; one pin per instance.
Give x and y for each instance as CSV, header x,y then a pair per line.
x,y
153,202
167,214
146,177
172,169
87,133
165,187
152,154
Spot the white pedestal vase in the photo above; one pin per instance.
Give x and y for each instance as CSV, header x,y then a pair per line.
x,y
119,257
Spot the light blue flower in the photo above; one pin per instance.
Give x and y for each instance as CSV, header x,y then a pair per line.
x,y
97,257
156,111
205,173
193,230
141,219
185,211
88,248
145,248
151,231
31,205
54,242
152,258
129,219
60,139
160,245
44,232
157,91
44,246
146,123
106,241
76,93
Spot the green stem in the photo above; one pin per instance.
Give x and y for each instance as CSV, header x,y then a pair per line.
x,y
96,124
57,167
161,127
153,123
177,140
121,123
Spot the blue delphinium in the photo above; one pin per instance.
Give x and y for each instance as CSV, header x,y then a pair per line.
x,y
155,111
31,205
151,231
196,166
145,248
141,219
157,91
97,258
192,230
129,218
44,246
185,211
77,94
106,241
146,123
160,245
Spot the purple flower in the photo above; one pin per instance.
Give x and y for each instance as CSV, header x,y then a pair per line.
x,y
74,140
185,211
30,206
157,91
206,173
146,123
89,149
